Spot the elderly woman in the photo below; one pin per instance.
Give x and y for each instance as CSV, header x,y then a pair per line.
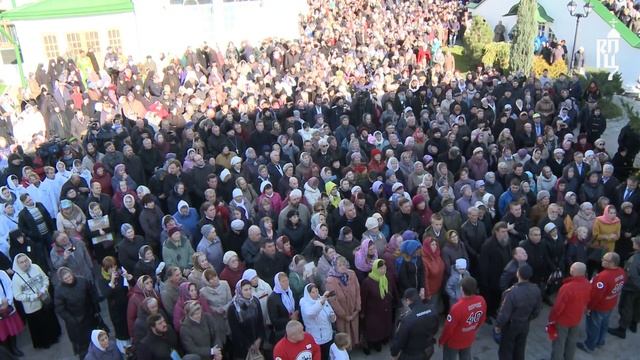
x,y
101,232
318,317
188,291
246,321
378,297
143,289
347,302
198,333
585,217
218,295
233,269
71,219
200,264
364,257
281,306
606,230
101,348
76,302
30,286
298,276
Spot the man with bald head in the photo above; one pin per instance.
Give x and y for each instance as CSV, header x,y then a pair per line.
x,y
251,246
570,306
298,344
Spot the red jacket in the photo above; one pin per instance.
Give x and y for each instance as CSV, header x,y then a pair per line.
x,y
571,302
464,319
305,349
605,289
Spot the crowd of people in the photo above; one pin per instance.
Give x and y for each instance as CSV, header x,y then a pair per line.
x,y
628,11
309,197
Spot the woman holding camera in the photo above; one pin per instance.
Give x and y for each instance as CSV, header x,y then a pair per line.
x,y
114,285
318,315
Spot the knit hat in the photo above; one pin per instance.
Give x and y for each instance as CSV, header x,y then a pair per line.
x,y
237,225
124,228
478,150
236,192
236,160
371,223
550,226
542,194
173,230
228,256
408,235
295,193
264,184
626,204
206,229
461,264
396,186
65,204
224,174
479,184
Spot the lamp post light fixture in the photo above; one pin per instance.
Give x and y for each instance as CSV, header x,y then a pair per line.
x,y
572,7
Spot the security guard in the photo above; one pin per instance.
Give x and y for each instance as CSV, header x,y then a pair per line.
x,y
629,307
521,303
414,338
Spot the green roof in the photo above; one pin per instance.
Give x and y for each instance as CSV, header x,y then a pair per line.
x,y
610,18
54,9
541,14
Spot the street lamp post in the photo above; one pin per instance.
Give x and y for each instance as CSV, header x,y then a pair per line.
x,y
572,6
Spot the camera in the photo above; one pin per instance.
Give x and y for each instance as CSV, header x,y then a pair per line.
x,y
72,248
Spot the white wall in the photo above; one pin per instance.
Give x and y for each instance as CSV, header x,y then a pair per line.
x,y
219,23
592,29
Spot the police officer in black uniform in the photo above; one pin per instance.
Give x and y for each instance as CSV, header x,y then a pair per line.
x,y
521,303
414,339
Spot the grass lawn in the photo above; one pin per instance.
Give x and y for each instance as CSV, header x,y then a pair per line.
x,y
463,63
2,88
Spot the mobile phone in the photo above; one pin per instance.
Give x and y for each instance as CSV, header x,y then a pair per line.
x,y
72,249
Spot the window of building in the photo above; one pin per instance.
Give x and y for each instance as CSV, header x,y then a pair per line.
x,y
114,39
51,46
74,44
92,40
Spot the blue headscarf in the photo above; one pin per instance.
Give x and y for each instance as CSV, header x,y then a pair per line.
x,y
408,249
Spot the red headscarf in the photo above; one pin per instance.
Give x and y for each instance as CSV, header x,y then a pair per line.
x,y
433,266
604,219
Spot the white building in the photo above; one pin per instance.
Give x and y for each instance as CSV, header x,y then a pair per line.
x,y
46,29
608,43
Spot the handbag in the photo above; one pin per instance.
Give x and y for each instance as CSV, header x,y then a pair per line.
x,y
45,298
254,355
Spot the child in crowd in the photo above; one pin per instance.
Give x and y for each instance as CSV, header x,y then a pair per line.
x,y
338,350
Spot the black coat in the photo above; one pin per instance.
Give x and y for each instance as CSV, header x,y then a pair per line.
x,y
416,332
539,260
154,347
77,305
493,259
128,252
279,316
117,301
267,267
244,333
